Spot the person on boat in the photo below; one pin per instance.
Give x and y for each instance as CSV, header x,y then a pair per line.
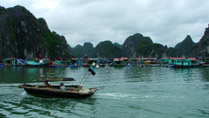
x,y
47,84
62,87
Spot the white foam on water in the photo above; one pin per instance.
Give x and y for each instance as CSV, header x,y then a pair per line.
x,y
23,93
117,95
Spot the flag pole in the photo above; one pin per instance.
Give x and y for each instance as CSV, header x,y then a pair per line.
x,y
91,70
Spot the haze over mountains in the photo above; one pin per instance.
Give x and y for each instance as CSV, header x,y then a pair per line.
x,y
24,36
138,45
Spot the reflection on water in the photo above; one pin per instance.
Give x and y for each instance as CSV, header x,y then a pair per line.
x,y
129,92
205,74
65,106
23,74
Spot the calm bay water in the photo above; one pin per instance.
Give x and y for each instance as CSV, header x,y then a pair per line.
x,y
135,92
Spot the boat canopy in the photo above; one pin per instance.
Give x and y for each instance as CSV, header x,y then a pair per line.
x,y
56,79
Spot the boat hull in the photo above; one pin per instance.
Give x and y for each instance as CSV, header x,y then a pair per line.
x,y
182,66
58,93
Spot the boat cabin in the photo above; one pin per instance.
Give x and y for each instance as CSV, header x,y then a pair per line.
x,y
10,61
182,63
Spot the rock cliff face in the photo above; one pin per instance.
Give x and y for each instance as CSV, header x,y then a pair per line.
x,y
184,48
86,50
158,51
24,36
201,49
132,44
118,45
107,49
78,51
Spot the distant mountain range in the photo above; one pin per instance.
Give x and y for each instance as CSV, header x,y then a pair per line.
x,y
24,36
138,45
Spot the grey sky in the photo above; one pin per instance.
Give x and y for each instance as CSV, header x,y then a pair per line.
x,y
164,21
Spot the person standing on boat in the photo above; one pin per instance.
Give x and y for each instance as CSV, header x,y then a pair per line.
x,y
62,87
47,84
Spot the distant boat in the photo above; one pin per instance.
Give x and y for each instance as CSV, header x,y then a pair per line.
x,y
40,62
197,63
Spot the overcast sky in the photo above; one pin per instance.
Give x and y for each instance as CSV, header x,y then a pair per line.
x,y
164,21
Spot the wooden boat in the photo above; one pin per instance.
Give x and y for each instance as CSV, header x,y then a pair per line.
x,y
73,91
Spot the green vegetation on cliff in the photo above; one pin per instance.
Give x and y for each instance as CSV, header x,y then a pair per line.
x,y
185,47
107,49
24,36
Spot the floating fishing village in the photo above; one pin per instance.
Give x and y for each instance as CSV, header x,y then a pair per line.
x,y
102,62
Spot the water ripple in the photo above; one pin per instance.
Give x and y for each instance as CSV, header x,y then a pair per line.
x,y
129,92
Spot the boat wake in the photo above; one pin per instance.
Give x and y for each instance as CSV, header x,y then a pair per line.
x,y
137,96
118,95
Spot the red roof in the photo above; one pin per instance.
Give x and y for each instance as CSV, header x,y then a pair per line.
x,y
145,58
116,59
123,58
176,58
193,59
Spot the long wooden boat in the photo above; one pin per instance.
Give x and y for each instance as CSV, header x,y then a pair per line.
x,y
61,91
73,91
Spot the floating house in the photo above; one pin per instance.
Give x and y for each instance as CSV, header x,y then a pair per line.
x,y
133,61
57,63
12,62
9,61
182,63
147,61
125,59
88,61
164,60
118,63
103,62
75,62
